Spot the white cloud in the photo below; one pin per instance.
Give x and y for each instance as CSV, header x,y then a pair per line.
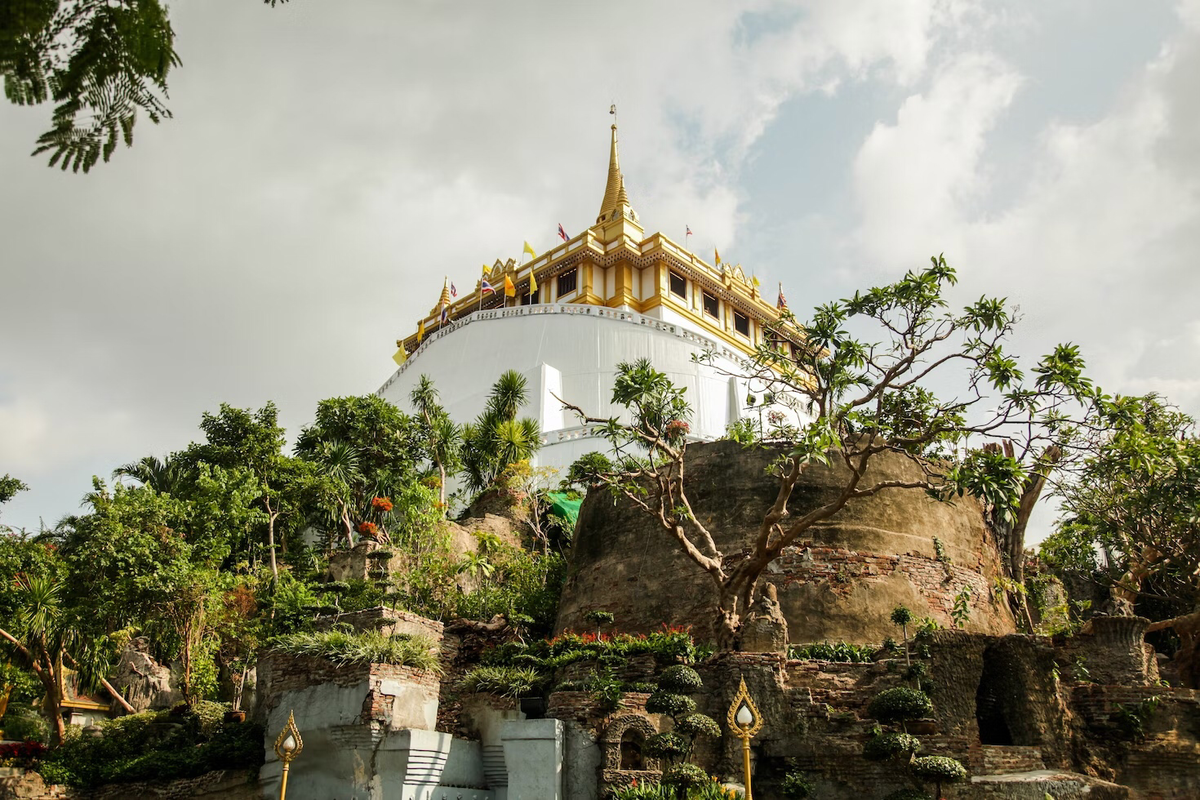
x,y
327,165
921,177
1099,245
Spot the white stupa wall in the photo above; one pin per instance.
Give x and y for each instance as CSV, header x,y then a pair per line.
x,y
572,351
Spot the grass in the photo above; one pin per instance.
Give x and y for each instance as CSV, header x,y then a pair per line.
x,y
507,681
369,647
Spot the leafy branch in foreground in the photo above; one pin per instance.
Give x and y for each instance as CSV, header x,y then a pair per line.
x,y
100,61
864,366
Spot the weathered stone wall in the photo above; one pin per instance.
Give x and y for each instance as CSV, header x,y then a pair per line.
x,y
354,563
388,621
1112,650
839,582
391,696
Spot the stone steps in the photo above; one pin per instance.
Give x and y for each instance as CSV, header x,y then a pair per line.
x,y
1036,785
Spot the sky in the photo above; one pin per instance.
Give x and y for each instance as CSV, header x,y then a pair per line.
x,y
329,163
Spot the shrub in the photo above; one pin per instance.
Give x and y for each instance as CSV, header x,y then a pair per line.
x,y
21,754
795,786
369,647
833,651
643,791
675,705
665,745
598,617
680,679
24,727
938,770
132,749
685,774
891,745
699,725
507,681
900,704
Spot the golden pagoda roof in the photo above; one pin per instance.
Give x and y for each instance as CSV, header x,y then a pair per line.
x,y
614,188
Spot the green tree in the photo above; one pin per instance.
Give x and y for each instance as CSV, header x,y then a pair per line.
x,y
238,439
44,636
863,366
167,475
9,487
497,438
439,436
1130,516
99,61
1129,503
144,561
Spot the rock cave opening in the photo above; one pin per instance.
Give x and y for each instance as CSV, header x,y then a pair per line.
x,y
631,749
997,700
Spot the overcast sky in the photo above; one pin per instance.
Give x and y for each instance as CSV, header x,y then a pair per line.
x,y
329,163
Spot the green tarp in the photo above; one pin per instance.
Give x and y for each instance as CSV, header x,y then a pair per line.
x,y
561,505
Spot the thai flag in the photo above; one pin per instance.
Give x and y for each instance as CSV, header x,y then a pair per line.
x,y
445,314
689,231
453,290
561,233
485,287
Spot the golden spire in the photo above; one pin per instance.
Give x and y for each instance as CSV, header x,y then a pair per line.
x,y
445,299
614,190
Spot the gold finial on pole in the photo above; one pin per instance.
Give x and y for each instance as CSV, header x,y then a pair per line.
x,y
744,721
287,747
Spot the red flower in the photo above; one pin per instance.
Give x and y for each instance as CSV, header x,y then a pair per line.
x,y
382,503
368,527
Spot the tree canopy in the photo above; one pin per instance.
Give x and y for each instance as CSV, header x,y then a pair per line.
x,y
99,61
857,379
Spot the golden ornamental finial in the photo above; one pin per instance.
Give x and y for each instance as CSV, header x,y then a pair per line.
x,y
287,747
614,189
744,721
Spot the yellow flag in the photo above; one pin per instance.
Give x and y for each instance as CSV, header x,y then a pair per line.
x,y
400,357
485,270
532,283
510,288
754,280
529,249
717,256
420,331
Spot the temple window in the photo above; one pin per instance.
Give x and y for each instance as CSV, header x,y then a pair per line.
x,y
631,750
678,285
741,323
567,282
711,306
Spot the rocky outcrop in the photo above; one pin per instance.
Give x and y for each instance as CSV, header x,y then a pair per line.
x,y
841,581
355,563
143,682
766,629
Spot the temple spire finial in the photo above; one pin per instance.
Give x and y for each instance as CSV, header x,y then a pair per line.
x,y
614,189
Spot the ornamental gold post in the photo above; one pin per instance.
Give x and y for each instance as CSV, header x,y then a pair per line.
x,y
287,747
745,721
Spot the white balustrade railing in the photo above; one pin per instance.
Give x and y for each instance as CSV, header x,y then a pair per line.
x,y
569,309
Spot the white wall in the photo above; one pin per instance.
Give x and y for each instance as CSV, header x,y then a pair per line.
x,y
572,350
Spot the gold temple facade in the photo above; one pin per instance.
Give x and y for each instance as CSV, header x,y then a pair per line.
x,y
614,264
